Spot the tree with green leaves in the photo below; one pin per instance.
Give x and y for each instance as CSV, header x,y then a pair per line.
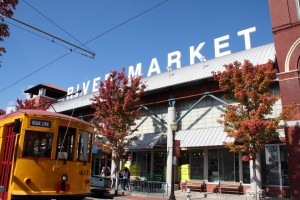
x,y
6,10
250,121
116,108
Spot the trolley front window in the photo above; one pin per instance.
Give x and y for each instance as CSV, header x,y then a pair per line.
x,y
37,144
84,146
66,143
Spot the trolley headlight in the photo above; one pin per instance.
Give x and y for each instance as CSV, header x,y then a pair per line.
x,y
64,178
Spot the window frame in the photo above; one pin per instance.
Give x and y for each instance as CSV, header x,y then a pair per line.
x,y
298,8
69,143
35,141
278,148
85,140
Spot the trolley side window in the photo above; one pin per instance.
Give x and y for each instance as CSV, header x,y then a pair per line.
x,y
65,143
37,144
84,146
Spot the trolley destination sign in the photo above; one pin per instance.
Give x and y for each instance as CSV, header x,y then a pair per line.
x,y
40,123
221,48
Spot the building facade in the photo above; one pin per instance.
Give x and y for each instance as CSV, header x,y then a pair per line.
x,y
191,98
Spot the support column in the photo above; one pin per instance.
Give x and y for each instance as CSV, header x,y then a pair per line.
x,y
205,165
241,167
152,164
171,118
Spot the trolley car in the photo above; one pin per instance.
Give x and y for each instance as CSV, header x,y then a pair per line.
x,y
44,155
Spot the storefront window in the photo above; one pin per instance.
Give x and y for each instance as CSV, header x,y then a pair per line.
x,y
246,168
159,165
37,144
227,165
275,165
184,165
213,165
222,165
298,8
284,167
184,157
272,165
236,167
197,164
141,164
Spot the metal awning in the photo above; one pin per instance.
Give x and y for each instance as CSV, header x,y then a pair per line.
x,y
145,141
203,137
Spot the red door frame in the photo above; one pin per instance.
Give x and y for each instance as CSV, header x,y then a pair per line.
x,y
6,163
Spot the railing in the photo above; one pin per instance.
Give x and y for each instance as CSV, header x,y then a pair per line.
x,y
150,187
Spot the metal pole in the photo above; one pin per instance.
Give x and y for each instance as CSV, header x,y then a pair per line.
x,y
172,195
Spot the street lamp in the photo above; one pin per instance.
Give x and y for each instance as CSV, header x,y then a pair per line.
x,y
173,128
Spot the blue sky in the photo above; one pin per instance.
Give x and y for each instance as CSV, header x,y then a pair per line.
x,y
121,34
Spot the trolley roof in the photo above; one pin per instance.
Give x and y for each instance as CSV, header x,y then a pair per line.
x,y
41,112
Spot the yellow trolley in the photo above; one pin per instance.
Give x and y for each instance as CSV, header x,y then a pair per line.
x,y
44,155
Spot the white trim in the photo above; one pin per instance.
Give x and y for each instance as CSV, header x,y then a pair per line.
x,y
295,70
287,79
292,123
289,54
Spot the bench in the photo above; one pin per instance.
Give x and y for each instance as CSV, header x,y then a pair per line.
x,y
230,187
193,185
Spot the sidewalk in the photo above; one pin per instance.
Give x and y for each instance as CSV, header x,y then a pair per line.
x,y
179,195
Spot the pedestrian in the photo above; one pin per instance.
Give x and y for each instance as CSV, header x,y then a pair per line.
x,y
120,182
113,177
126,177
103,172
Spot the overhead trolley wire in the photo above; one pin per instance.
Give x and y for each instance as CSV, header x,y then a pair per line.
x,y
35,71
53,36
125,22
55,24
53,41
100,35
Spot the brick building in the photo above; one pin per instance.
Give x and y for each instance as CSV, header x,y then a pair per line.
x,y
285,17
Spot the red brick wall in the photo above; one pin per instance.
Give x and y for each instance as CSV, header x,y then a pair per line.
x,y
283,41
293,155
276,7
283,12
286,32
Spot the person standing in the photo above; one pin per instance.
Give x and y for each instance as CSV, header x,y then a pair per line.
x,y
103,172
113,177
126,177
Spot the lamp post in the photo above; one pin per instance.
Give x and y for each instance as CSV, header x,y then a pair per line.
x,y
173,128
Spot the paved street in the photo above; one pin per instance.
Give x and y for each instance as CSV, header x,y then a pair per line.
x,y
182,196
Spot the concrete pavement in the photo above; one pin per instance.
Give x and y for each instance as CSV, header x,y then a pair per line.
x,y
179,195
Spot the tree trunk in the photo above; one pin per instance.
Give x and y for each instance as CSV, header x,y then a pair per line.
x,y
255,178
117,176
116,184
